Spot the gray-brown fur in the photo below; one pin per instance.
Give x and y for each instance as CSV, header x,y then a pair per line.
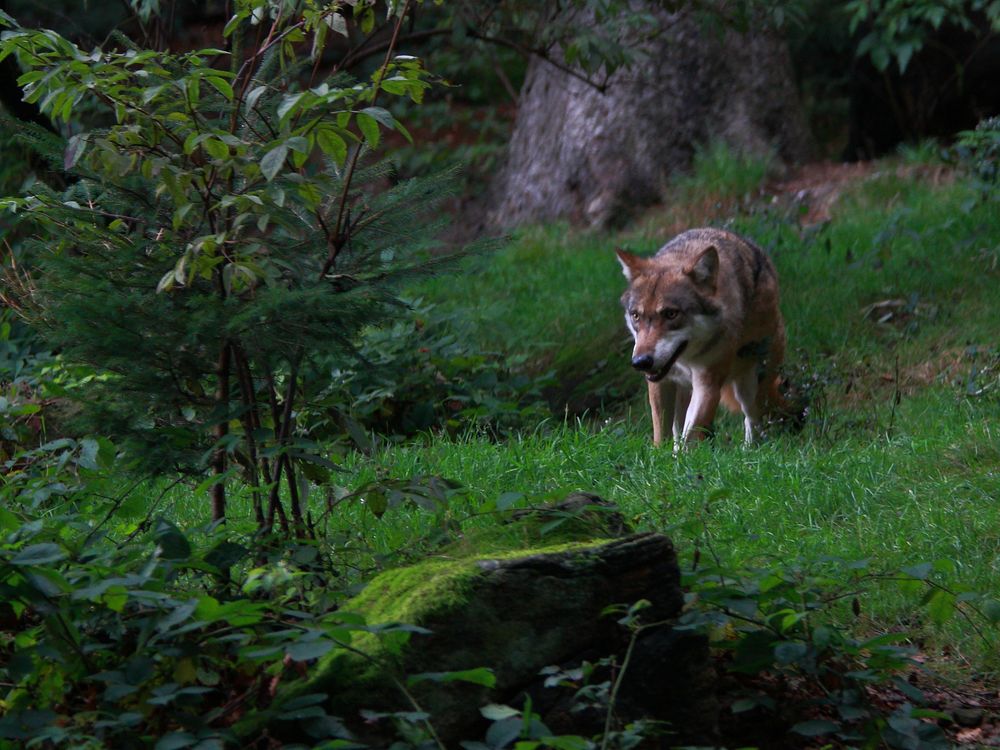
x,y
704,314
748,278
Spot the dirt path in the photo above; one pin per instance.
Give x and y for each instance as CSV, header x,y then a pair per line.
x,y
819,185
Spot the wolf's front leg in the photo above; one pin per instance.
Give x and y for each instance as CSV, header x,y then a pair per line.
x,y
662,396
745,390
706,390
681,404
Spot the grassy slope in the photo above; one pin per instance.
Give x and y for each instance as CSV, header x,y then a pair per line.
x,y
898,485
918,482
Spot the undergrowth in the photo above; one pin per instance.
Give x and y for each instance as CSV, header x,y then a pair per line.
x,y
830,556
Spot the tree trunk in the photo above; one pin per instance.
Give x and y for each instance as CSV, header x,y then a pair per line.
x,y
218,491
594,158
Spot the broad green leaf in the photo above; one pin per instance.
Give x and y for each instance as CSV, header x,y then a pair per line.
x,y
903,54
319,42
151,93
945,565
941,605
74,150
400,128
880,58
790,652
315,474
238,613
185,672
39,554
273,161
380,114
507,499
377,503
88,453
287,105
310,194
369,127
920,572
115,598
253,96
8,521
815,727
222,86
930,713
216,148
192,141
181,613
991,608
337,23
48,581
498,712
304,651
332,145
226,554
234,22
560,742
886,639
367,21
173,544
175,741
481,676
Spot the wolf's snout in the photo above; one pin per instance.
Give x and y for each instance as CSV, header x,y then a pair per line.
x,y
643,363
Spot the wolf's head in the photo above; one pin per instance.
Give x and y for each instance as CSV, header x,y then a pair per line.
x,y
670,309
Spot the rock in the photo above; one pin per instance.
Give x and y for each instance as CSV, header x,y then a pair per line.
x,y
516,613
968,717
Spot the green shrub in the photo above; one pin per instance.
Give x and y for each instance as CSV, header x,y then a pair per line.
x,y
424,372
980,150
721,172
222,226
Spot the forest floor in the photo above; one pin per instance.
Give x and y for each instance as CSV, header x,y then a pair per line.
x,y
973,706
889,273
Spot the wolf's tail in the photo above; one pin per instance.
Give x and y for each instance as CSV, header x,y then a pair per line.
x,y
777,408
728,399
774,406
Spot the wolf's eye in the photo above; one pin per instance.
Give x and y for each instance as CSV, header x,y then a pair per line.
x,y
670,313
634,314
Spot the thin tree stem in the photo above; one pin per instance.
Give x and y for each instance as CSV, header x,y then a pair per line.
x,y
339,226
221,431
251,422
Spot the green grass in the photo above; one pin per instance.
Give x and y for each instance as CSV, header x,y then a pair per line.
x,y
918,482
719,172
899,484
554,293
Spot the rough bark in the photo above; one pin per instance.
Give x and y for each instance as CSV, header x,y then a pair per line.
x,y
591,157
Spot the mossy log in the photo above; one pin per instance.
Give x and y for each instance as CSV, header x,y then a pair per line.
x,y
516,613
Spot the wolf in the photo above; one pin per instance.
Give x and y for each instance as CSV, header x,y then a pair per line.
x,y
707,327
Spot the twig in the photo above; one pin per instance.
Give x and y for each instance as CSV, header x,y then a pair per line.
x,y
115,505
144,524
605,738
338,227
896,398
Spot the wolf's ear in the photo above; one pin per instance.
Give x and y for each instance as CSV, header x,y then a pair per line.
x,y
632,264
705,267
